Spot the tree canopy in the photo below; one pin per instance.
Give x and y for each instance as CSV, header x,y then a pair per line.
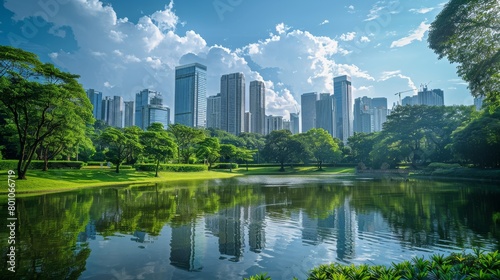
x,y
466,32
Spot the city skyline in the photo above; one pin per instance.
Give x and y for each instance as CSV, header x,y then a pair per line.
x,y
124,49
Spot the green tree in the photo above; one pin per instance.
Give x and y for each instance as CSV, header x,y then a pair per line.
x,y
322,146
228,152
245,155
158,145
281,147
186,138
120,145
466,33
361,145
209,150
478,141
40,100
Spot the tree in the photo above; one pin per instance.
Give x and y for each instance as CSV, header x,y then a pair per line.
x,y
209,150
245,155
466,32
228,152
120,145
186,138
478,141
40,100
158,145
361,145
281,147
322,146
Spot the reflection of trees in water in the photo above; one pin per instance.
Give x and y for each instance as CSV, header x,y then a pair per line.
x,y
430,213
48,227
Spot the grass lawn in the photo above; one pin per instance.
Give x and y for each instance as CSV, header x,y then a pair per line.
x,y
69,179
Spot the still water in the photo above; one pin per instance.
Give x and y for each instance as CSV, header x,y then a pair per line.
x,y
234,228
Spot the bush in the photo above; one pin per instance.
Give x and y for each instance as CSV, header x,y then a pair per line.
x,y
38,164
171,167
126,167
479,265
439,165
225,166
96,163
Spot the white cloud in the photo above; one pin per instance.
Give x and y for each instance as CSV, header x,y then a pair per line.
x,y
165,19
353,71
108,85
386,75
417,34
324,22
422,10
364,39
374,12
282,28
349,36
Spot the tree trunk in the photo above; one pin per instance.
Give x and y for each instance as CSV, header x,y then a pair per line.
x,y
118,167
282,169
157,166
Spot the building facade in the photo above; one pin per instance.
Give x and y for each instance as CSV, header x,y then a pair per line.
x,y
232,90
258,106
344,116
308,109
129,119
325,112
214,111
294,123
95,98
190,95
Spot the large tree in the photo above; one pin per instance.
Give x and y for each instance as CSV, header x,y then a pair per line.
x,y
467,33
120,145
158,145
281,147
186,138
209,150
322,146
40,100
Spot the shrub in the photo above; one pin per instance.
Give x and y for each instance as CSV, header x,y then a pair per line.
x,y
171,167
225,166
96,163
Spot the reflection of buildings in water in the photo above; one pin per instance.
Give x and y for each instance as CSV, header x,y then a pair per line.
x,y
89,233
315,230
231,235
142,237
186,247
256,231
346,225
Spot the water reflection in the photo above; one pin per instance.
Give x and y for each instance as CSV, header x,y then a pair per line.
x,y
228,229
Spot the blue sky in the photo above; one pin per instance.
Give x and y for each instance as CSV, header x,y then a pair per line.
x,y
121,47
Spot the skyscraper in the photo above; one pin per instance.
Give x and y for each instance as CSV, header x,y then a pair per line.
x,y
248,122
95,98
214,111
258,106
294,123
142,100
433,97
129,114
308,109
190,94
325,112
273,123
232,88
343,107
362,117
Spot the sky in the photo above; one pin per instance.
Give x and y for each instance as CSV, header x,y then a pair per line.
x,y
295,47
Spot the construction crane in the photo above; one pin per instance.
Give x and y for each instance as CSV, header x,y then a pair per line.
x,y
399,93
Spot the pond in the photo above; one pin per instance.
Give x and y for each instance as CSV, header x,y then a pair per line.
x,y
234,228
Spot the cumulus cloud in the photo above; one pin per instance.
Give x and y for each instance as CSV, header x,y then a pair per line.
x,y
417,34
324,22
349,36
364,39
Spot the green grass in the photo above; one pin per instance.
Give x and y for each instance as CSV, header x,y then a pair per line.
x,y
70,179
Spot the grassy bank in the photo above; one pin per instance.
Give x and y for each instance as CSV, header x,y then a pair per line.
x,y
70,179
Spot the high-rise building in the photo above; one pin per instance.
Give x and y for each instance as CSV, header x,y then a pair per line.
x,y
232,89
308,109
129,114
107,109
342,94
273,123
190,95
433,97
248,122
325,108
258,106
142,100
369,114
158,114
118,111
95,98
294,123
214,111
410,100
